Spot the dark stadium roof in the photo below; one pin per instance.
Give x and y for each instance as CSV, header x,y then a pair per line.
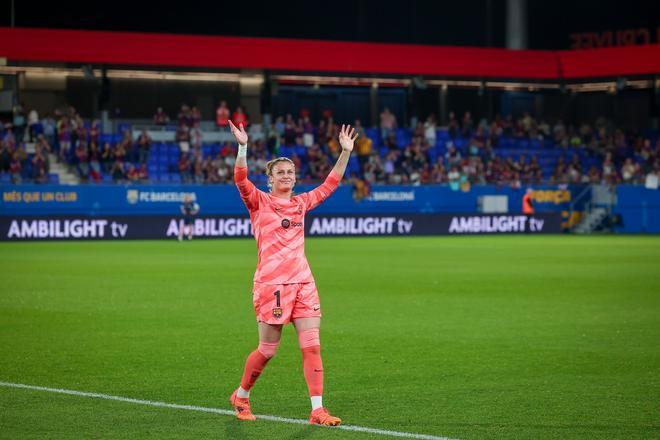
x,y
466,23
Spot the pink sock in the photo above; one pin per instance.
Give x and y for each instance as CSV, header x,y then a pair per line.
x,y
313,369
254,365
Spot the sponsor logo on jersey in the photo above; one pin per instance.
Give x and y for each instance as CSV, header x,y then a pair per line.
x,y
286,223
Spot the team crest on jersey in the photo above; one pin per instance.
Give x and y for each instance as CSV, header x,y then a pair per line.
x,y
286,223
277,312
300,208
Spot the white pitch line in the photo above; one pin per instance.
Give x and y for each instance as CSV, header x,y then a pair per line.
x,y
225,412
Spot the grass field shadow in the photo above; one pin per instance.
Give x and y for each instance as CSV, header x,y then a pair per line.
x,y
235,429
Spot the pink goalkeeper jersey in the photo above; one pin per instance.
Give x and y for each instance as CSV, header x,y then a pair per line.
x,y
278,226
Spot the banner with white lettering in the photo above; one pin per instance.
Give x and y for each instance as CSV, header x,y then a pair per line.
x,y
433,224
163,227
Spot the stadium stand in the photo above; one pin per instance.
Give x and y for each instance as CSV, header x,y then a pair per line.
x,y
504,151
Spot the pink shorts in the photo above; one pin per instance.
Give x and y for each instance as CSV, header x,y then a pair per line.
x,y
282,303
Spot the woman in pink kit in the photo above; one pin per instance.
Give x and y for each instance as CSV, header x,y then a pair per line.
x,y
284,288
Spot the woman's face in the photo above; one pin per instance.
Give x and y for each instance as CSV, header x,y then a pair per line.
x,y
283,177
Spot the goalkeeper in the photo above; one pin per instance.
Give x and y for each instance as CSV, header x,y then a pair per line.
x,y
284,289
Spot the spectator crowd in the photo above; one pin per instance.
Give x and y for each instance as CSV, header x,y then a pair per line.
x,y
504,151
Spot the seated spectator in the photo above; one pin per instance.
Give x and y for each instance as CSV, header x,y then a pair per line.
x,y
609,170
387,123
185,116
184,168
452,156
132,174
49,126
19,122
222,116
195,116
226,150
5,156
390,142
42,177
143,174
33,124
183,137
198,172
224,172
630,172
144,146
452,125
15,168
95,162
82,158
430,128
95,132
239,117
117,171
389,165
594,175
81,132
64,133
125,146
211,170
120,152
438,173
160,117
307,131
467,124
195,136
39,161
107,158
289,130
333,147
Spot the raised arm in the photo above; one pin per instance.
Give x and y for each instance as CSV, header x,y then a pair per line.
x,y
242,138
318,195
246,188
347,137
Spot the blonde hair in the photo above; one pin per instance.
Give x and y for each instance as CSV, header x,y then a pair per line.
x,y
271,164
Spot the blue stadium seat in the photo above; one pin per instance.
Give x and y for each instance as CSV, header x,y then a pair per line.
x,y
372,133
353,165
53,178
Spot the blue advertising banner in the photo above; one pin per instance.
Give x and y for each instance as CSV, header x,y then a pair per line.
x,y
128,200
638,209
163,227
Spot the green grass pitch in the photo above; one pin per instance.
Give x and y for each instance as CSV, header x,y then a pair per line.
x,y
465,337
